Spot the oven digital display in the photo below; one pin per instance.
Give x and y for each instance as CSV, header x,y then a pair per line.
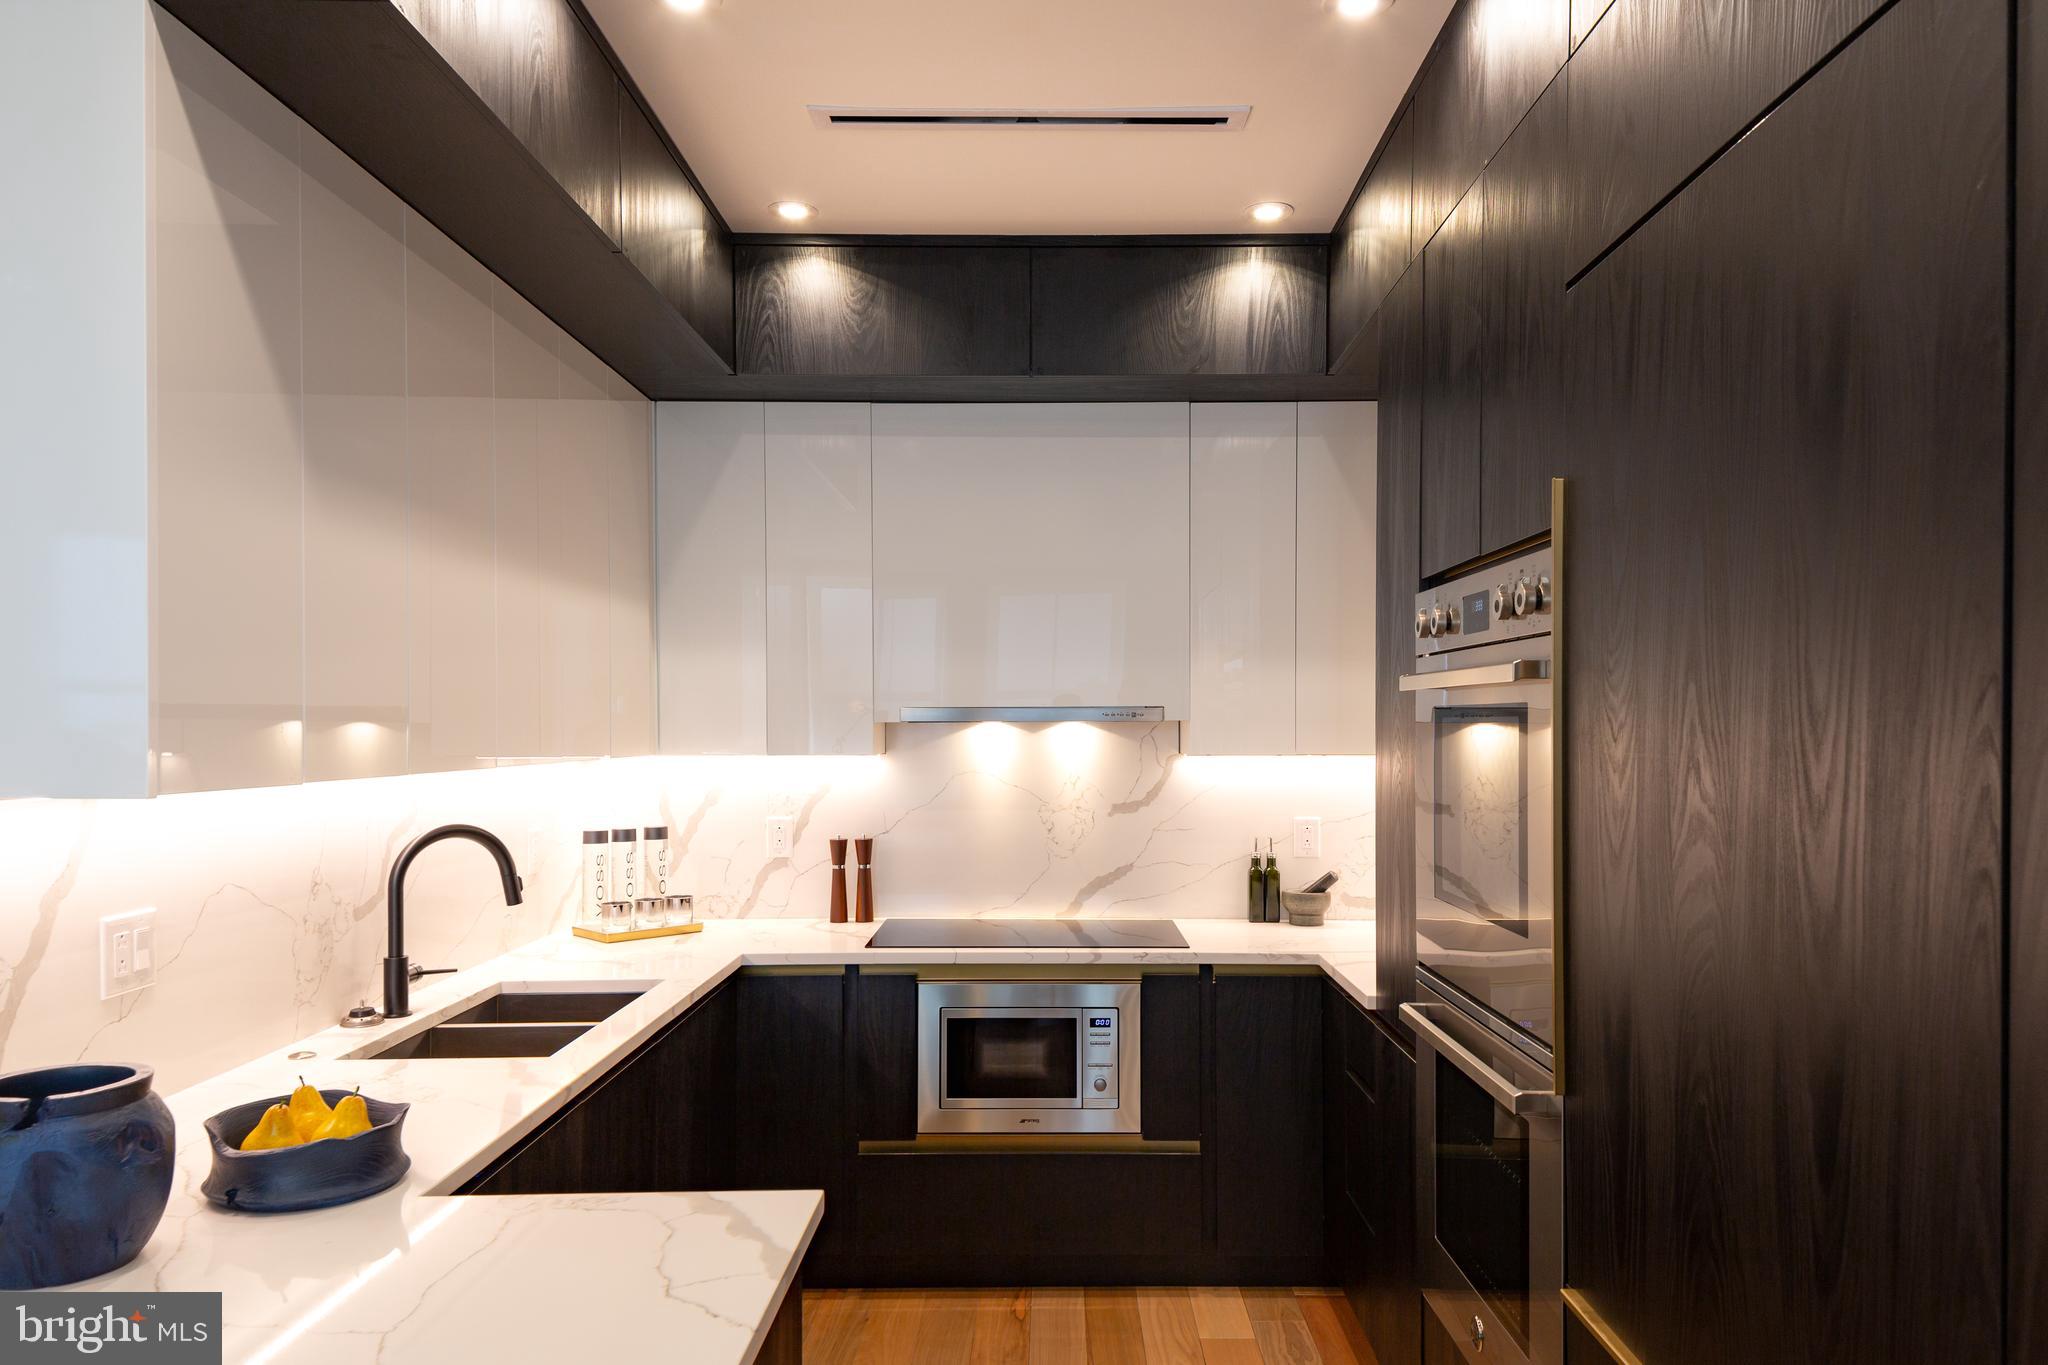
x,y
1102,1021
1473,616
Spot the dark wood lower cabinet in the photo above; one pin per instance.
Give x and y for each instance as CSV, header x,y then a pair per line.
x,y
1267,1136
784,1344
791,1119
1369,1177
660,1120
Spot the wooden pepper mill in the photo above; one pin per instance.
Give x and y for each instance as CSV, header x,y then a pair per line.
x,y
864,885
839,881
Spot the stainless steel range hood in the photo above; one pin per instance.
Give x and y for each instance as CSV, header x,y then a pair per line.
x,y
967,715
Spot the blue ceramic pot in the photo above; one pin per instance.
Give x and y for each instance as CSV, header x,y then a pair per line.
x,y
85,1170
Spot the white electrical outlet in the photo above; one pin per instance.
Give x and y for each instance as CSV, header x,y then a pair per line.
x,y
127,952
1308,836
779,827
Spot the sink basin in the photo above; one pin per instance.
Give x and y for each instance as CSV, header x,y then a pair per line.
x,y
484,1040
512,1023
545,1007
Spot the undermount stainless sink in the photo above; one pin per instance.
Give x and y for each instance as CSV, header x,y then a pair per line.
x,y
511,1023
485,1040
545,1007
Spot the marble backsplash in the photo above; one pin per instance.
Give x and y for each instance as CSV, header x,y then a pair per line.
x,y
270,903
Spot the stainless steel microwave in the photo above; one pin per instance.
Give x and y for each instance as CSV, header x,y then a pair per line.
x,y
1027,1057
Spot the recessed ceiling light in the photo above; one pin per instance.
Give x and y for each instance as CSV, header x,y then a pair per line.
x,y
689,6
1270,211
1350,9
793,210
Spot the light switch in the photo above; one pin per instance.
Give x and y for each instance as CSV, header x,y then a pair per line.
x,y
1308,836
127,952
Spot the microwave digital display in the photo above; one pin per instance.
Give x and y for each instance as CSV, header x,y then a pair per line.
x,y
1103,1022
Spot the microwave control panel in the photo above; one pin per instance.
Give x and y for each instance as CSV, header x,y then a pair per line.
x,y
1513,599
1098,1059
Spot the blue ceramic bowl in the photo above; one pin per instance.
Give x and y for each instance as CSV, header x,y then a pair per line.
x,y
317,1175
85,1170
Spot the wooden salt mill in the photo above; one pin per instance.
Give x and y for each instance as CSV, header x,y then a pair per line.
x,y
839,881
864,885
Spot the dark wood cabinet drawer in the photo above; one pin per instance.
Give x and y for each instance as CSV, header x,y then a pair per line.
x,y
1024,1218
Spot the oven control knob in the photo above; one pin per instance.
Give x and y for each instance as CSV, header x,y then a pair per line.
x,y
1503,601
1421,623
1101,1084
1525,597
1437,621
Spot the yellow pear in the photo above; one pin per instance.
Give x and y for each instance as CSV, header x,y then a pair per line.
x,y
350,1117
309,1110
274,1129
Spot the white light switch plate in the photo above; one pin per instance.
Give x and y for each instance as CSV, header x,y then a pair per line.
x,y
128,955
779,827
1308,836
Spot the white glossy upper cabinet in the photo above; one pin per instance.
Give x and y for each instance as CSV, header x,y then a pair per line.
x,y
228,323
819,558
357,480
1031,554
1241,569
1334,596
710,552
452,652
632,571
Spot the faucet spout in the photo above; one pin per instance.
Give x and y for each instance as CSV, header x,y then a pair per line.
x,y
398,971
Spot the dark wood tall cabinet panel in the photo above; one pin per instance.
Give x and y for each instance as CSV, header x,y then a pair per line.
x,y
668,232
1268,1136
1369,1177
1492,60
881,310
1585,14
2027,1060
1453,312
1659,86
1784,728
1397,555
547,80
791,1114
1371,245
1522,277
1180,309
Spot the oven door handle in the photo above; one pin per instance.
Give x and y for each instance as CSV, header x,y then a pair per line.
x,y
1517,1101
1479,675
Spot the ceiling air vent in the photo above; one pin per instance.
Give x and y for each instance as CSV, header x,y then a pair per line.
x,y
1212,116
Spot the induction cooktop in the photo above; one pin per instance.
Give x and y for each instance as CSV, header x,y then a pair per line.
x,y
1027,933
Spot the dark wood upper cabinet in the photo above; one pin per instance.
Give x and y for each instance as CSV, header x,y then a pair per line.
x,y
884,310
546,79
1585,14
1452,330
1659,86
1492,60
1522,292
1371,247
1142,309
668,232
2027,1033
1786,590
1397,559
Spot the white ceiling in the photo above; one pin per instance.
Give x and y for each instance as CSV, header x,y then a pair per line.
x,y
731,83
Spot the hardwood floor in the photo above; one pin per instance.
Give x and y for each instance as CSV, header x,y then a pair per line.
x,y
1203,1326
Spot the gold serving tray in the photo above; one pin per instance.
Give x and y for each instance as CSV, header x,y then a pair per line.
x,y
628,935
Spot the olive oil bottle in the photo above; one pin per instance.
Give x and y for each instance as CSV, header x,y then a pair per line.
x,y
1255,900
1271,878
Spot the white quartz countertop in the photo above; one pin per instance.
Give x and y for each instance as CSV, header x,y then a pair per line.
x,y
417,1272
